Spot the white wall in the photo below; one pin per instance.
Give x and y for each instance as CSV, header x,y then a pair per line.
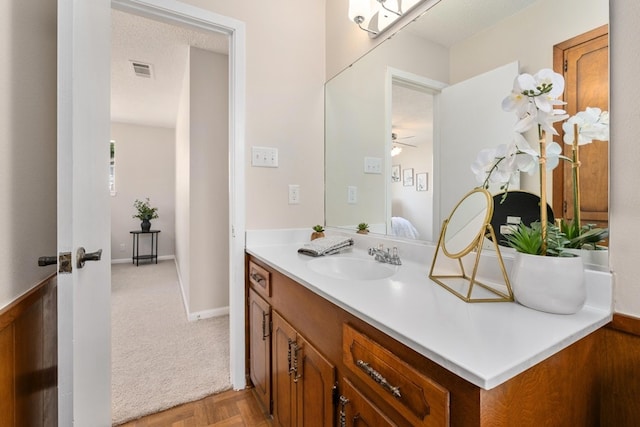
x,y
202,184
183,197
532,34
209,181
285,99
624,206
27,144
145,167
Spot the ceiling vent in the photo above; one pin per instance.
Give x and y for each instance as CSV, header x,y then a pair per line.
x,y
141,69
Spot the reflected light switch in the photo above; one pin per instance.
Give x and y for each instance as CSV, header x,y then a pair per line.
x,y
373,165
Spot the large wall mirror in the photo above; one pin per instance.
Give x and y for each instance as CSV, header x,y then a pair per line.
x,y
405,121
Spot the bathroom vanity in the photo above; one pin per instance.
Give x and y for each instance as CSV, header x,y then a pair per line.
x,y
401,350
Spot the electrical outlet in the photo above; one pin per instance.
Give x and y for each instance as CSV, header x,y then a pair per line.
x,y
294,194
352,194
121,247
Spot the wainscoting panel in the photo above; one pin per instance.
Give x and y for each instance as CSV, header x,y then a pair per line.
x,y
620,399
28,358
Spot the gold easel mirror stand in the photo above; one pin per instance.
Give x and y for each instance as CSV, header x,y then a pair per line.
x,y
462,233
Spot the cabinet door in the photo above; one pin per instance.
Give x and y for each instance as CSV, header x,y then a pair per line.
x,y
314,381
358,411
283,386
260,348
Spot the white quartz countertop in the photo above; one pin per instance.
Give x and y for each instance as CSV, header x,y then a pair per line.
x,y
484,343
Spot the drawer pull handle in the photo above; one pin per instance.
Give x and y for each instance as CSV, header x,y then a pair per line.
x,y
377,377
257,278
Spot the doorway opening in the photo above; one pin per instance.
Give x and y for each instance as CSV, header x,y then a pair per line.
x,y
203,36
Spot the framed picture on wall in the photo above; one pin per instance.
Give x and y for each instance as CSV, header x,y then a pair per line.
x,y
422,181
407,177
395,173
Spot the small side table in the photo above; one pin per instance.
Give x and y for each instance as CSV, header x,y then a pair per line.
x,y
135,255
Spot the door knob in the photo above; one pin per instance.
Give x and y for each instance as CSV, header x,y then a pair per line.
x,y
47,260
83,256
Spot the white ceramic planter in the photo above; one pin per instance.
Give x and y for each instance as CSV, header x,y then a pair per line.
x,y
598,258
551,284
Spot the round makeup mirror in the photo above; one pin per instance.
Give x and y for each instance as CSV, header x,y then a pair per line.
x,y
463,233
467,223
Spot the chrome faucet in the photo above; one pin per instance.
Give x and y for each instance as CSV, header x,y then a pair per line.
x,y
379,254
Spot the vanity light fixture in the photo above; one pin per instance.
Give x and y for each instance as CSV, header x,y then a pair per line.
x,y
375,16
361,12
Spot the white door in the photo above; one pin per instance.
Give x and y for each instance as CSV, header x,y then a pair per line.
x,y
84,351
471,118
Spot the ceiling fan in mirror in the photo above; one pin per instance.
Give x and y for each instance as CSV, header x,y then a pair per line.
x,y
396,143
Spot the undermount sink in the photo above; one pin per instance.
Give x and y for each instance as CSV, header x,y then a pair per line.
x,y
352,268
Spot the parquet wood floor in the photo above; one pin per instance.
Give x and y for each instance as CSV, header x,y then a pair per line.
x,y
228,409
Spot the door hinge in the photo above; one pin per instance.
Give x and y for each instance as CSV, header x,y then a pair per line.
x,y
566,65
564,206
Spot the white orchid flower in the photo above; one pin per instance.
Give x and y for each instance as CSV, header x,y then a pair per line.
x,y
483,164
554,151
592,123
534,99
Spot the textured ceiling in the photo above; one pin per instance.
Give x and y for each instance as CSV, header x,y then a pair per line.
x,y
152,101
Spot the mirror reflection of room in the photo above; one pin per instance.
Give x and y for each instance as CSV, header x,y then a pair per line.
x,y
477,50
412,150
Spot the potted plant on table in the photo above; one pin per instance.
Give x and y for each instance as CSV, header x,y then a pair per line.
x,y
541,260
145,213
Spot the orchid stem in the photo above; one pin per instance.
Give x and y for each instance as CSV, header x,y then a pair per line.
x,y
543,189
576,178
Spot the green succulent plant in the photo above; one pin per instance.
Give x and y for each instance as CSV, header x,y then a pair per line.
x,y
586,237
528,239
363,226
318,228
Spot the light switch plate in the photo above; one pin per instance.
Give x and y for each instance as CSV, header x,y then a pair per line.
x,y
264,157
373,165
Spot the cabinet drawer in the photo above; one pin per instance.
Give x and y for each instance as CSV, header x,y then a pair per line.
x,y
356,410
419,399
260,278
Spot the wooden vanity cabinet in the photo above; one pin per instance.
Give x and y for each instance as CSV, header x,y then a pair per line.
x,y
356,410
259,338
562,390
303,379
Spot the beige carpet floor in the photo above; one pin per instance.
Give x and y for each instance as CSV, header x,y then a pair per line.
x,y
159,359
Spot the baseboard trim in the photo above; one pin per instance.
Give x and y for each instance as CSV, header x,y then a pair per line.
x,y
625,323
206,314
198,315
128,260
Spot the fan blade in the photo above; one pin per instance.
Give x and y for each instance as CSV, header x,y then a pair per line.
x,y
404,143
